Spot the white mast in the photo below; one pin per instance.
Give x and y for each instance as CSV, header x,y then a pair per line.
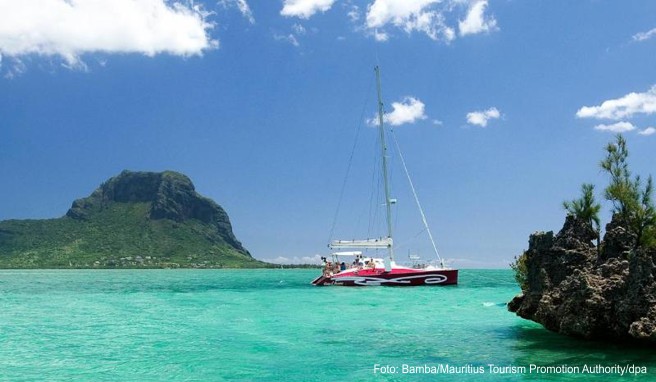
x,y
381,128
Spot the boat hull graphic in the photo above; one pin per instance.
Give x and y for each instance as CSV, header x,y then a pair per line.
x,y
394,278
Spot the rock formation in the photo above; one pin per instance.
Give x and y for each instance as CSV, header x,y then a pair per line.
x,y
575,288
172,196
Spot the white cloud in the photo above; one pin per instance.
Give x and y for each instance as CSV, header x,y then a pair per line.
x,y
354,13
16,69
435,18
245,10
409,110
619,127
299,29
481,118
70,28
243,7
398,12
305,8
381,36
290,38
475,22
642,36
623,107
409,15
648,131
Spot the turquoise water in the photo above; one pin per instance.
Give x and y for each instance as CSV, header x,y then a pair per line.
x,y
271,325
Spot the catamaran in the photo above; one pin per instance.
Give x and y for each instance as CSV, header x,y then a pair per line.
x,y
367,270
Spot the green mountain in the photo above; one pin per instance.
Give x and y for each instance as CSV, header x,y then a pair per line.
x,y
133,220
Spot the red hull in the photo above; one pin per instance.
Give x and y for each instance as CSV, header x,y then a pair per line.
x,y
397,277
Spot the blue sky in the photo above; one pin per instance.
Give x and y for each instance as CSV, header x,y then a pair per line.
x,y
502,110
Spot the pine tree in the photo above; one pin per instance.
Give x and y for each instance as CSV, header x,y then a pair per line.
x,y
586,207
630,200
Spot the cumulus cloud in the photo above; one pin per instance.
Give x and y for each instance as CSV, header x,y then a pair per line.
x,y
437,19
481,118
476,22
409,110
382,12
648,131
642,36
305,8
623,107
70,28
410,16
619,127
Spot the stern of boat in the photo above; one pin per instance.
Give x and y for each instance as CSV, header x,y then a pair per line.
x,y
322,280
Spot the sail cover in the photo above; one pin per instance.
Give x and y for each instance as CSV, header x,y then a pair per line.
x,y
367,243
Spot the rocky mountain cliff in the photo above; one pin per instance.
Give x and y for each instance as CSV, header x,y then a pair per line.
x,y
171,196
576,288
135,219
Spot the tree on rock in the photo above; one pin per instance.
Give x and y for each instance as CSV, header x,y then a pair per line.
x,y
630,200
586,207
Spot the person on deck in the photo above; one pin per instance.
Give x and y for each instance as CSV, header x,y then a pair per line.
x,y
327,270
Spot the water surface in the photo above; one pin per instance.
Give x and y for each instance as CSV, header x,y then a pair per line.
x,y
271,325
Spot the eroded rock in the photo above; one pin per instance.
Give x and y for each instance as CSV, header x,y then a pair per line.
x,y
578,289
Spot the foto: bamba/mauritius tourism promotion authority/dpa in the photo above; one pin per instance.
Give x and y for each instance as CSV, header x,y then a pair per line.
x,y
628,369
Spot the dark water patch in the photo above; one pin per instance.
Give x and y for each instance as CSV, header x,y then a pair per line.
x,y
533,342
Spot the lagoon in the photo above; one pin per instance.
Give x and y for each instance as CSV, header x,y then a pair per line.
x,y
272,325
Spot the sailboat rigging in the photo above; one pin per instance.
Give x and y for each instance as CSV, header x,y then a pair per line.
x,y
367,271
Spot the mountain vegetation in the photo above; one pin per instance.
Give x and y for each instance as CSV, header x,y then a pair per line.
x,y
133,220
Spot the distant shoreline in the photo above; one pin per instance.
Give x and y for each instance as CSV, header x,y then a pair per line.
x,y
273,266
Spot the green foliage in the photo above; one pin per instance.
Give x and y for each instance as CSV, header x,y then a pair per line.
x,y
585,208
133,220
621,190
119,236
630,200
520,267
